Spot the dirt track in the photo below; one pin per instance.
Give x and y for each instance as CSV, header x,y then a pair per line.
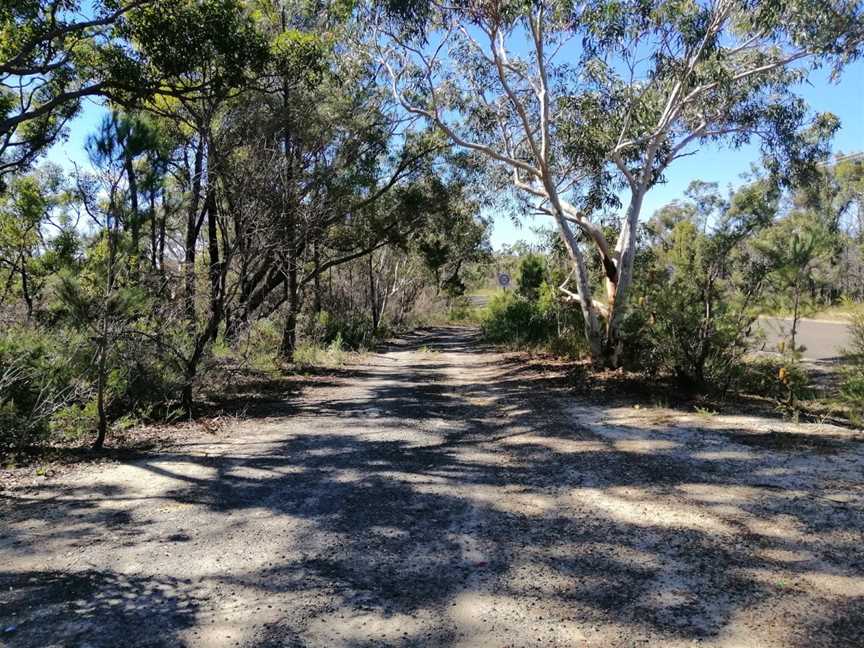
x,y
440,495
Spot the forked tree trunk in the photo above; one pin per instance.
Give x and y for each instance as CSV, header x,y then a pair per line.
x,y
604,338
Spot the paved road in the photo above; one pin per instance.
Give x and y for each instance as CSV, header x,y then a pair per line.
x,y
444,495
823,340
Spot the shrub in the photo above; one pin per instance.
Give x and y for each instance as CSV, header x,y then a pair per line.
x,y
692,317
510,319
461,310
317,355
354,331
531,275
36,380
569,345
852,385
781,378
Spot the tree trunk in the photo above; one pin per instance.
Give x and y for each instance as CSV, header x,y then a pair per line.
x,y
289,333
593,334
102,369
162,224
618,291
795,312
135,223
215,267
102,430
373,297
153,226
25,286
192,227
317,285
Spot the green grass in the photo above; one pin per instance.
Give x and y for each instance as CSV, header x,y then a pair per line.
x,y
837,312
485,292
316,355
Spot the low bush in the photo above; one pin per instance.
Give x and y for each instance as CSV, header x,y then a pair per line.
x,y
48,384
547,323
461,310
513,320
310,354
37,374
692,315
784,379
354,331
852,385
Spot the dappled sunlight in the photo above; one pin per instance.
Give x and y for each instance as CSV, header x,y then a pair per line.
x,y
558,445
722,455
644,446
777,554
461,520
807,581
644,510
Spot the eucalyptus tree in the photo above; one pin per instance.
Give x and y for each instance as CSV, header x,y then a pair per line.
x,y
577,103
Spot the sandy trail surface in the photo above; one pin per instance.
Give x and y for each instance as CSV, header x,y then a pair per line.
x,y
440,494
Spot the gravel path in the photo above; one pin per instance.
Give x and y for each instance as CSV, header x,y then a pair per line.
x,y
443,495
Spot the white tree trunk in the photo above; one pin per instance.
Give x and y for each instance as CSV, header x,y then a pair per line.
x,y
625,251
593,332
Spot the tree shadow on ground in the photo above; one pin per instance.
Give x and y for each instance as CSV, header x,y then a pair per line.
x,y
94,608
420,497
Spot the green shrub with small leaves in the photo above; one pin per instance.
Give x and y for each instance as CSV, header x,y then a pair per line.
x,y
37,378
852,386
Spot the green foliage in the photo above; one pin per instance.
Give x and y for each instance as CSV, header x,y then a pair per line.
x,y
797,250
782,378
513,320
695,306
38,377
461,310
310,354
545,323
852,386
196,48
353,331
532,271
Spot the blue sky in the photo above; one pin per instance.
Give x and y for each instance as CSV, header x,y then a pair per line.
x,y
710,164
